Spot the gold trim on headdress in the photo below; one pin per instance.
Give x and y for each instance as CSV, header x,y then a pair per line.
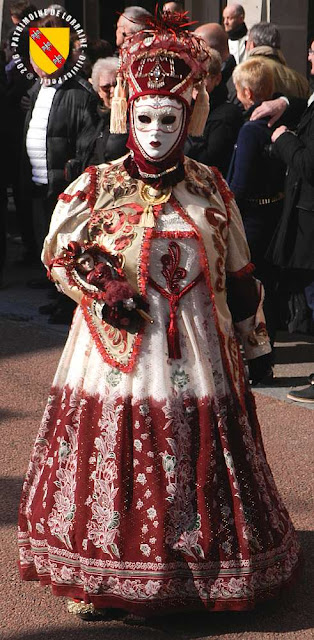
x,y
119,107
200,112
176,61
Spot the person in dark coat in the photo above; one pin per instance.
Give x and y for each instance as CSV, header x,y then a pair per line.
x,y
17,86
215,147
293,142
105,146
59,127
257,179
70,128
293,244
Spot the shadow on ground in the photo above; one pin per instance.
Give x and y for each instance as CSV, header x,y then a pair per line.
x,y
10,494
294,348
18,338
295,353
289,381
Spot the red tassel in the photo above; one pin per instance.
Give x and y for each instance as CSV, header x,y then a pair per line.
x,y
173,337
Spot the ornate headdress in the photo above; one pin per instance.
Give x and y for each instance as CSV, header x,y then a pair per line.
x,y
165,59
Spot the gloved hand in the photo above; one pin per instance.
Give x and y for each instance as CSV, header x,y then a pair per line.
x,y
260,369
123,314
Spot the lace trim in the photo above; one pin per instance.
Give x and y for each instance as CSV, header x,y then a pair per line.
x,y
101,347
143,264
174,234
157,175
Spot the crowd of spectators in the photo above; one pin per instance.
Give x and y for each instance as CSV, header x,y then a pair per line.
x,y
55,131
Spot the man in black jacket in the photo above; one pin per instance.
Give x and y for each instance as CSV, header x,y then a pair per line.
x,y
69,129
59,127
236,30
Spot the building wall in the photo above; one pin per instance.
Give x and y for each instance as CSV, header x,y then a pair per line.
x,y
292,20
290,16
204,10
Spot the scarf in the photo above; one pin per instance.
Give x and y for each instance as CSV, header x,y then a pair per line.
x,y
238,32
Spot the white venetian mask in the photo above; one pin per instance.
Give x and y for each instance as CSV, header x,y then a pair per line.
x,y
158,122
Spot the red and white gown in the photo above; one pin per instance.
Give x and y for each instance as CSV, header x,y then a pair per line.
x,y
148,487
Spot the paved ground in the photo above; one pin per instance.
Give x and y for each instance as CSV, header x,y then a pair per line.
x,y
29,350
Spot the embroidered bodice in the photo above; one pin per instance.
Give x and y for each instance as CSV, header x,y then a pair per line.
x,y
174,268
198,234
174,247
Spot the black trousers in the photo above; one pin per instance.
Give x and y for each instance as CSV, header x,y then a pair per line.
x,y
260,223
42,210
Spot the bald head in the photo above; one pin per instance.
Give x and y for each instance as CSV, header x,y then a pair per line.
x,y
131,21
233,16
173,7
215,37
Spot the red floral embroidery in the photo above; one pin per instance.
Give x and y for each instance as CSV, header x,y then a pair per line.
x,y
171,270
220,238
237,559
224,190
118,183
173,273
91,192
242,273
113,220
198,179
117,221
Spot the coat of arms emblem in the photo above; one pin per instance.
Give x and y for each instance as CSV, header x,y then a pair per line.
x,y
49,47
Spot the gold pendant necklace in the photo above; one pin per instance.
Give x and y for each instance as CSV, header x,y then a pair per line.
x,y
151,197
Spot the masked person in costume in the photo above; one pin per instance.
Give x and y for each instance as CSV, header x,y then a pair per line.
x,y
148,489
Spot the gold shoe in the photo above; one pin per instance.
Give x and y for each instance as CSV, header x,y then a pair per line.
x,y
85,611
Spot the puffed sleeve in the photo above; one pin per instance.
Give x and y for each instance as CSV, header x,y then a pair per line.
x,y
69,223
238,257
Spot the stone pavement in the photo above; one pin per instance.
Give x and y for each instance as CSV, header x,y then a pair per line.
x,y
29,351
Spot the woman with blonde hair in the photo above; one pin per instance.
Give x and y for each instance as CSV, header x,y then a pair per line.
x,y
256,179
